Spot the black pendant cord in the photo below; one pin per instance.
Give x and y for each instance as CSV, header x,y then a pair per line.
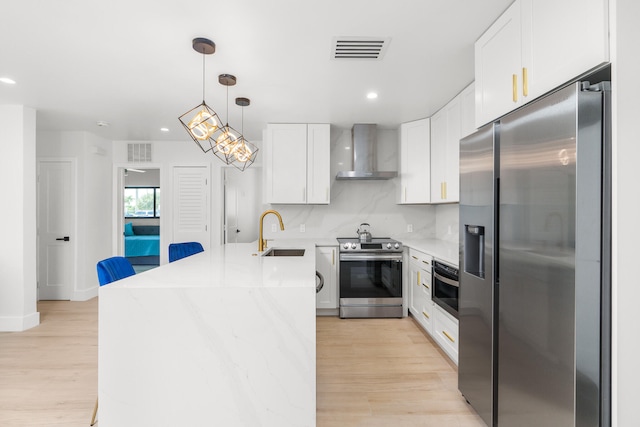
x,y
227,106
203,79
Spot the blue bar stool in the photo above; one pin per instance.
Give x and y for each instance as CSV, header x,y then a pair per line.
x,y
182,250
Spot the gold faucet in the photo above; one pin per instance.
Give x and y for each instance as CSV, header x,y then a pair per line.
x,y
262,243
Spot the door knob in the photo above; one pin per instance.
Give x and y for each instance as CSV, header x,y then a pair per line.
x,y
65,238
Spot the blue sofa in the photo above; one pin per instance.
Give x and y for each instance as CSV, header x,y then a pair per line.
x,y
142,244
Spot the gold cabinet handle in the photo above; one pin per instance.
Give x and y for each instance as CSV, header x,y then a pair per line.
x,y
525,82
418,279
448,336
405,193
425,285
426,262
426,315
442,191
414,257
515,87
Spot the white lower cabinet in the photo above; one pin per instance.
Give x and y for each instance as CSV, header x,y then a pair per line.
x,y
419,282
438,323
326,265
445,332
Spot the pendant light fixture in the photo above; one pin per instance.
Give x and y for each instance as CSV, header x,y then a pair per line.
x,y
244,152
202,122
227,138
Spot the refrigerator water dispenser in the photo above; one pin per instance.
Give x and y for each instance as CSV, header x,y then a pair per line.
x,y
474,250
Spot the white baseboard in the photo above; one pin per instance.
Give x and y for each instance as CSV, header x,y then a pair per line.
x,y
85,294
19,323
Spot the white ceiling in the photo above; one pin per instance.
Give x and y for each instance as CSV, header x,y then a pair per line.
x,y
130,62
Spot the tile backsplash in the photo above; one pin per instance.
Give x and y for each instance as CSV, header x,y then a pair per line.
x,y
355,202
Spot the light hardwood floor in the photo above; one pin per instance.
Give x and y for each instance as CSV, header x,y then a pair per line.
x,y
370,372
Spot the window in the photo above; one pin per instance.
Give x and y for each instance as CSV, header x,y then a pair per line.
x,y
142,202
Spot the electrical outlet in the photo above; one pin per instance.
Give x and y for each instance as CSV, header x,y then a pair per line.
x,y
409,228
273,228
303,228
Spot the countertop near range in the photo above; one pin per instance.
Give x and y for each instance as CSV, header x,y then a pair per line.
x,y
223,337
442,250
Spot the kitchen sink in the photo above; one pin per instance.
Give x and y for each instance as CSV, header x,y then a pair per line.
x,y
284,252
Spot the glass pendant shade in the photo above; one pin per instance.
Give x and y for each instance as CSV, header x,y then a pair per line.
x,y
201,123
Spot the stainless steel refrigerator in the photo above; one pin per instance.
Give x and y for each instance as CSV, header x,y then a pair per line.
x,y
534,302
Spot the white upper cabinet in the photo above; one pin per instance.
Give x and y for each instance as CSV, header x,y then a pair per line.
x,y
452,122
415,162
567,39
534,47
318,163
467,111
297,164
498,67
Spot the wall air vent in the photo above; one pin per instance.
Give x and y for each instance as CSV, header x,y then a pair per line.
x,y
139,153
359,47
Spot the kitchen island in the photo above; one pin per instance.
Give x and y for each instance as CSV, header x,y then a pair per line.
x,y
225,337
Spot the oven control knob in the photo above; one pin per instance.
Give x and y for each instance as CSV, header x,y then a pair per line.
x,y
347,245
397,246
388,245
353,245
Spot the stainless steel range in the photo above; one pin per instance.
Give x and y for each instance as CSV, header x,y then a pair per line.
x,y
370,277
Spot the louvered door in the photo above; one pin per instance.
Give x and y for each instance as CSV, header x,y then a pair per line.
x,y
191,205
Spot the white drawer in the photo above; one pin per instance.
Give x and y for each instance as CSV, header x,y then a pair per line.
x,y
420,259
426,316
425,283
445,332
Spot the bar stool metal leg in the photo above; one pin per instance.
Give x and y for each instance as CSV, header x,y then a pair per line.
x,y
95,412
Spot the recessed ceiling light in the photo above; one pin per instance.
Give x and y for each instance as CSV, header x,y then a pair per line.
x,y
164,129
103,124
7,80
372,95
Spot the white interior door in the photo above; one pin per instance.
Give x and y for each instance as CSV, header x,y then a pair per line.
x,y
56,240
241,205
191,205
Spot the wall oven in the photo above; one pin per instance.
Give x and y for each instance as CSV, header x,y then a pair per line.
x,y
445,287
370,278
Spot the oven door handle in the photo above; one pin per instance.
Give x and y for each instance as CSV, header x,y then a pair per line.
x,y
369,257
446,280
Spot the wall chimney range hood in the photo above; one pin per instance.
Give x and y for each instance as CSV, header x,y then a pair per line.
x,y
364,155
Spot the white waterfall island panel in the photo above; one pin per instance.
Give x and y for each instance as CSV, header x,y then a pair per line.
x,y
221,338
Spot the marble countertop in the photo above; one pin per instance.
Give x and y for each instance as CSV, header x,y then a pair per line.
x,y
224,337
440,249
232,265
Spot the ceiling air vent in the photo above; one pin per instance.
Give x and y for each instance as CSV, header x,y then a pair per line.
x,y
139,153
359,47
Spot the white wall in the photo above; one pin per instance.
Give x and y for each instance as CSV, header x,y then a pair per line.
x,y
166,155
355,202
625,33
447,222
18,309
93,198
